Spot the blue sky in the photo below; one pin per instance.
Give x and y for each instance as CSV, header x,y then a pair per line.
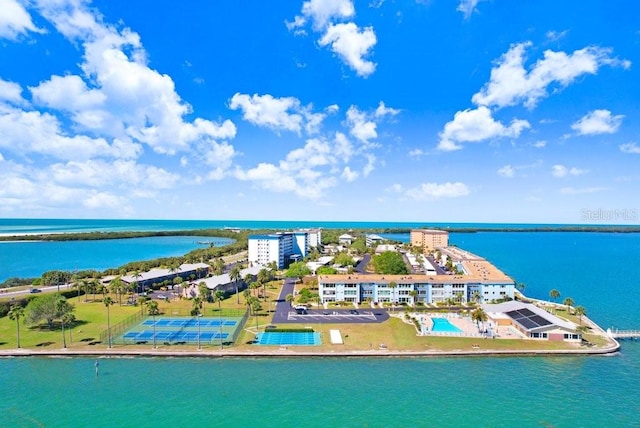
x,y
431,110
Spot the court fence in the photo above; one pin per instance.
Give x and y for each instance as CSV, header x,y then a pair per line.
x,y
117,330
120,327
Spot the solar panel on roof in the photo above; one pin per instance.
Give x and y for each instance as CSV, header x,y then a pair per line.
x,y
526,312
515,315
527,323
539,320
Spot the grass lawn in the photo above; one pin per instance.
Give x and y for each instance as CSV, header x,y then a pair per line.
x,y
394,333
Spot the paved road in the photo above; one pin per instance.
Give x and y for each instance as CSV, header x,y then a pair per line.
x,y
362,265
48,289
284,314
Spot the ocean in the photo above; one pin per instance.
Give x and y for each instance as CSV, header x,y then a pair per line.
x,y
596,269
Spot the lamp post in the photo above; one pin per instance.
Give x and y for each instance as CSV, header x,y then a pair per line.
x,y
199,315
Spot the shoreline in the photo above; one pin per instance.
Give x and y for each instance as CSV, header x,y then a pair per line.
x,y
288,353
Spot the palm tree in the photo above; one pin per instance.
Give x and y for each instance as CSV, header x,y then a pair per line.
x,y
196,306
476,297
289,298
414,295
392,286
234,275
15,313
63,307
219,295
108,302
521,286
479,315
568,302
580,311
141,302
152,309
554,294
69,319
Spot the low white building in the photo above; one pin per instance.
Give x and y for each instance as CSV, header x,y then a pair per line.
x,y
532,321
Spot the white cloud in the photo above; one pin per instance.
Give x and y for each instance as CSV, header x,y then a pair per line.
x,y
383,110
28,132
467,7
348,174
631,148
540,144
15,20
321,12
474,126
351,44
598,122
581,191
561,171
416,153
507,171
511,83
554,36
348,41
103,200
11,92
265,110
361,127
432,191
118,95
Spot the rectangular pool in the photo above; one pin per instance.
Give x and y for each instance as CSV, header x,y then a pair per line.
x,y
289,338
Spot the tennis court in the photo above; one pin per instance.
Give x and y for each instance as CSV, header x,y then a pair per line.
x,y
289,338
184,330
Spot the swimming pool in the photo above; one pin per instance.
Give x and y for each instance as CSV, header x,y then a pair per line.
x,y
289,338
442,325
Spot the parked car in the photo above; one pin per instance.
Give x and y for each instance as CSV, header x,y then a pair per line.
x,y
35,290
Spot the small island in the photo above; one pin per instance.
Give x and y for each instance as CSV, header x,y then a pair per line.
x,y
298,293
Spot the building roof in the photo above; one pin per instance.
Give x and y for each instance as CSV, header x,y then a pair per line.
x,y
529,316
412,279
431,231
214,281
160,273
385,247
345,236
265,236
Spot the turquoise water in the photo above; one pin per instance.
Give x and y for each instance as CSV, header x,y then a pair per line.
x,y
322,392
596,269
289,338
30,259
443,325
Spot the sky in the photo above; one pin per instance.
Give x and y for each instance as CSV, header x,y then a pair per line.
x,y
375,110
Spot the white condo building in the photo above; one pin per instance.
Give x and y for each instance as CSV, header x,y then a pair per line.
x,y
282,248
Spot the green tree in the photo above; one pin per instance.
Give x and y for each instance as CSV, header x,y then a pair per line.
x,y
235,276
63,307
69,319
108,302
554,294
219,295
152,309
15,313
326,270
521,286
479,316
580,311
390,263
204,292
344,259
297,270
289,298
43,308
568,302
414,296
393,286
196,306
